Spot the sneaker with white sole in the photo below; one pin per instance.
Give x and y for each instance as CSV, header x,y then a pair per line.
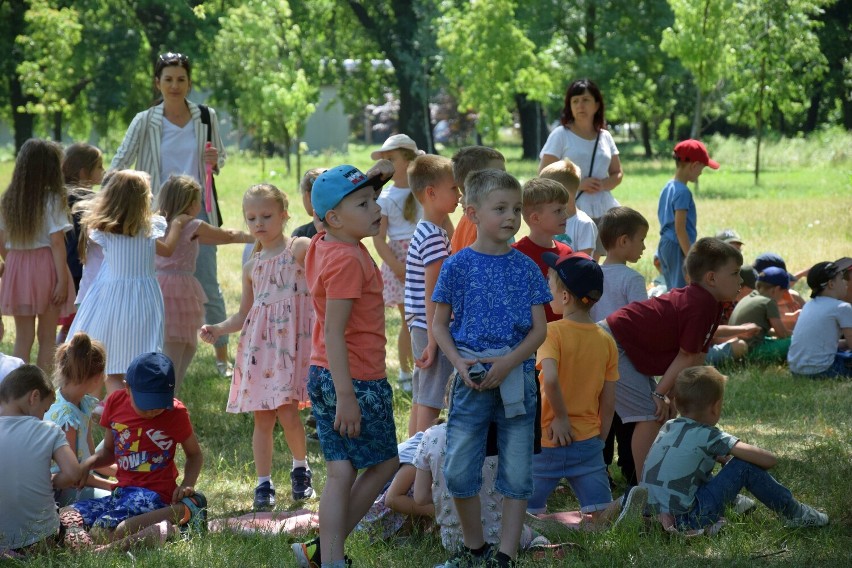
x,y
634,506
807,517
743,505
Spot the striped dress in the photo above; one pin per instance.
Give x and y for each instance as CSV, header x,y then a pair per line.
x,y
124,307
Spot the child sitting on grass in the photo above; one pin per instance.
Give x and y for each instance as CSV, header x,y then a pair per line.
x,y
678,470
760,307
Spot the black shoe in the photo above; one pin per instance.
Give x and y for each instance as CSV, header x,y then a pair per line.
x,y
300,482
500,560
264,497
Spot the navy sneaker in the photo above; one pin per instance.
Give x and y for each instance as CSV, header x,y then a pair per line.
x,y
264,497
300,482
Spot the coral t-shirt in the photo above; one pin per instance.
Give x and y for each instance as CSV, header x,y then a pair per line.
x,y
343,271
145,448
652,332
534,251
464,234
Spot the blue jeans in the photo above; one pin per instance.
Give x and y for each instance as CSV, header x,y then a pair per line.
x,y
582,464
471,412
712,497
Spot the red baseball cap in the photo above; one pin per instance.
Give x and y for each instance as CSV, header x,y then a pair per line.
x,y
694,151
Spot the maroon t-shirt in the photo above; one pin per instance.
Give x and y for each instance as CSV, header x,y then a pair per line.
x,y
145,449
652,332
534,251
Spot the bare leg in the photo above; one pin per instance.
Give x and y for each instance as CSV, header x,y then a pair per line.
x,y
403,344
643,436
24,337
470,512
153,536
47,323
221,353
181,354
412,419
261,441
426,416
294,430
514,511
114,382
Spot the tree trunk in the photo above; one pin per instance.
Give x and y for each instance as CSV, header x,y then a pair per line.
x,y
533,126
762,86
57,126
646,138
22,122
695,132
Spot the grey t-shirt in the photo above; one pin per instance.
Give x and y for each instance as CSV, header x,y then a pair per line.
x,y
622,285
815,337
26,494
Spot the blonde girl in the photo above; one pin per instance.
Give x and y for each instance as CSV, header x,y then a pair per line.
x,y
79,369
276,318
124,307
183,296
400,214
33,222
82,168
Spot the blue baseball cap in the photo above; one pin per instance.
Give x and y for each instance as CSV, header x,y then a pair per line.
x,y
333,185
151,378
582,276
768,259
775,276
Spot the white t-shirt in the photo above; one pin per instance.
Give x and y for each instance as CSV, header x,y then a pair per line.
x,y
179,152
392,202
582,231
8,364
26,493
814,343
55,220
563,143
622,285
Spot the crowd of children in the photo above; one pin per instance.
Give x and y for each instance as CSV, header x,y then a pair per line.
x,y
543,357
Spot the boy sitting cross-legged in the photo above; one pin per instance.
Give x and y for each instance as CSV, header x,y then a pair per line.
x,y
678,470
489,320
760,307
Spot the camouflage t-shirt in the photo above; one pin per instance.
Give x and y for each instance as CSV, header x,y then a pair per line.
x,y
680,461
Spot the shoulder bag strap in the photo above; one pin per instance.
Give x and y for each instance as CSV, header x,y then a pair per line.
x,y
592,164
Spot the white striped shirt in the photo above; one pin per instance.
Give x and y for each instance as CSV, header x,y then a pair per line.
x,y
429,244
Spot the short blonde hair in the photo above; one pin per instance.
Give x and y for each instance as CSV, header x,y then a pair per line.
x,y
565,172
427,170
482,182
307,183
697,388
470,159
541,191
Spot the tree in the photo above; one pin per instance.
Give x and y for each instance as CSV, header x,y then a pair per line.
x,y
488,80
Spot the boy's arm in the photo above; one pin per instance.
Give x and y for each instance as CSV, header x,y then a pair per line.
x,y
347,418
191,469
847,335
752,454
432,271
397,498
500,366
681,361
743,331
559,431
607,408
680,230
779,327
70,471
441,332
103,457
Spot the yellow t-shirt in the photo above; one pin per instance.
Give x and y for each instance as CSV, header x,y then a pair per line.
x,y
586,357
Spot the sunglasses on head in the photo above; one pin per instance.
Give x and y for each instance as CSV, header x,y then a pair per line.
x,y
173,57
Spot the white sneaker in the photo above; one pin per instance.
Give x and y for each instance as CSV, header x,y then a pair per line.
x,y
743,505
634,506
807,517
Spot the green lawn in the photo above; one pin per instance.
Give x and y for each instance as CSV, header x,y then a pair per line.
x,y
800,211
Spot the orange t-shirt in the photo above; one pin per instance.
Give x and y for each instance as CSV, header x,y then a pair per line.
x,y
586,357
342,271
464,235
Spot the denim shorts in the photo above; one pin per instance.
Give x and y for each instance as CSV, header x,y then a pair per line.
x,y
125,502
582,464
377,441
471,411
633,399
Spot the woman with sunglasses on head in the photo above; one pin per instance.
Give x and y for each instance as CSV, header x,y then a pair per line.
x,y
175,137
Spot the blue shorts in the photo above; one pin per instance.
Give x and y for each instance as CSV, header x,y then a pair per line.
x,y
471,412
377,442
125,502
582,464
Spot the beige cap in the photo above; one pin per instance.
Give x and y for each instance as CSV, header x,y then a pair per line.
x,y
396,142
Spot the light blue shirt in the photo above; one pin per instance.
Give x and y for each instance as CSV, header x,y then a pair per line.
x,y
676,197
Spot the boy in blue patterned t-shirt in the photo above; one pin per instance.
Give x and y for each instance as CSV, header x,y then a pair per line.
x,y
496,298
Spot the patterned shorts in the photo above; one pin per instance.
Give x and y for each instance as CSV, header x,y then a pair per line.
x,y
125,502
377,442
394,291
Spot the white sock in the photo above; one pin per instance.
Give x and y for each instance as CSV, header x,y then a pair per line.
x,y
265,478
301,463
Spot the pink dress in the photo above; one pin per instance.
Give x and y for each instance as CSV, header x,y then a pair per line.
x,y
274,350
183,297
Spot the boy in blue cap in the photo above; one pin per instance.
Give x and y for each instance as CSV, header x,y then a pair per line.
x,y
144,426
760,307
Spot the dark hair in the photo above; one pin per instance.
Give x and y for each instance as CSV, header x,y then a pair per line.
x,y
80,157
23,380
696,388
172,60
708,255
620,221
576,89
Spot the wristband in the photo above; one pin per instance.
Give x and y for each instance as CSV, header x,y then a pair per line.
x,y
662,397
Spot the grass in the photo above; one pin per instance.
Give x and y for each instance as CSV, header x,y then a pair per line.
x,y
800,211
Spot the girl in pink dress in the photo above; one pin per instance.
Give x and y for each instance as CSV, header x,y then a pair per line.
x,y
183,297
276,317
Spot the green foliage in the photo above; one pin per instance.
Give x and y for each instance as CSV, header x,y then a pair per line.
x,y
488,60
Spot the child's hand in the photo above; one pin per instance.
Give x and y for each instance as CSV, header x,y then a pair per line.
x,y
428,356
749,330
722,459
182,491
665,411
590,185
500,368
383,168
462,366
347,418
60,292
209,333
560,432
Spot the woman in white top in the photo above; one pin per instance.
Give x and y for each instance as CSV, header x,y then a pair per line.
x,y
172,137
582,138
